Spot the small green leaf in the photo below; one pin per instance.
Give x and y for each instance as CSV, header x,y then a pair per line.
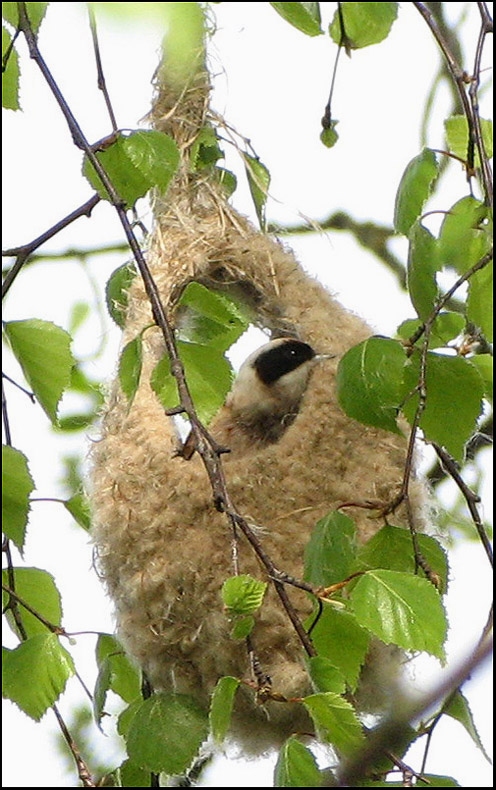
x,y
221,707
303,16
115,672
210,318
480,300
325,676
454,400
415,187
369,382
422,268
35,12
131,775
166,732
401,609
392,548
117,292
296,766
243,594
35,673
338,637
79,508
458,708
208,373
335,721
10,76
135,164
258,181
364,23
17,485
130,364
38,589
464,237
43,351
456,129
484,364
446,327
205,150
329,136
330,552
227,180
243,626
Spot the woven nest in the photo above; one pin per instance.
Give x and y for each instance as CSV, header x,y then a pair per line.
x,y
163,549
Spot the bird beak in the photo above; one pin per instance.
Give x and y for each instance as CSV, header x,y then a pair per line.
x,y
321,357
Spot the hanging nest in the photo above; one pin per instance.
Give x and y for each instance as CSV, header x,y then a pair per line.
x,y
163,549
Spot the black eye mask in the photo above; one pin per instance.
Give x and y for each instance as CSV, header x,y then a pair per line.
x,y
282,359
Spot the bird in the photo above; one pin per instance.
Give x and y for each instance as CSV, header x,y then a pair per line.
x,y
264,399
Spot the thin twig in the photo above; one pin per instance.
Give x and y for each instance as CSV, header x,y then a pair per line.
x,y
486,27
102,85
82,769
22,253
30,395
484,261
471,498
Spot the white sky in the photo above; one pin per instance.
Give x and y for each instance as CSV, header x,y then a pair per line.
x,y
272,85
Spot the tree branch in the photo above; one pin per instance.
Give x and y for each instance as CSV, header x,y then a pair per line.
x,y
22,253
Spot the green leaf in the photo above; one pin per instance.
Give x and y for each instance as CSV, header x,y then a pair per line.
x,y
369,382
10,77
35,673
335,721
243,626
17,485
456,129
38,589
166,732
330,552
454,400
464,237
115,673
480,300
221,707
243,594
458,708
131,775
392,549
226,179
484,364
415,187
43,352
325,676
364,23
210,318
205,150
338,637
258,181
130,364
35,12
329,135
135,164
401,609
422,268
208,373
446,327
296,766
117,292
303,16
79,508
